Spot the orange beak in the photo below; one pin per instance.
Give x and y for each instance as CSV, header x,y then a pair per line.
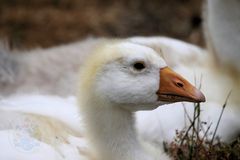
x,y
174,88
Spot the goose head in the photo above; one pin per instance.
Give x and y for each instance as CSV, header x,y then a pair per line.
x,y
134,77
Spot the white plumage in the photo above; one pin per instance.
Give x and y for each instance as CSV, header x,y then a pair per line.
x,y
118,79
154,126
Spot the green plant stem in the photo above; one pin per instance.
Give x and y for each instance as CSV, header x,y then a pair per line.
x,y
220,117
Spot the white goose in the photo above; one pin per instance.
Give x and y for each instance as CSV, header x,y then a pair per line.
x,y
185,58
117,80
222,21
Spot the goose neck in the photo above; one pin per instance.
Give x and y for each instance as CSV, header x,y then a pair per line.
x,y
112,133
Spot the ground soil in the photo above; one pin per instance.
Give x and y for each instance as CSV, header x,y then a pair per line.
x,y
44,23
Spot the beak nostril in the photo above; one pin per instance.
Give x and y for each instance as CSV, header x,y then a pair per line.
x,y
179,84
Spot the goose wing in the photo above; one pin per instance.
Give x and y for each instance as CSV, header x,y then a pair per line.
x,y
41,127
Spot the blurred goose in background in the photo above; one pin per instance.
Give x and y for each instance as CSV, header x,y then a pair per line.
x,y
55,68
216,70
115,81
222,27
199,68
47,71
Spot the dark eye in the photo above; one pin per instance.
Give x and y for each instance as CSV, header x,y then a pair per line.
x,y
139,66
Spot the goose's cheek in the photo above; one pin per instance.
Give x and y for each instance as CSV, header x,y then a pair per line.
x,y
129,92
125,88
133,96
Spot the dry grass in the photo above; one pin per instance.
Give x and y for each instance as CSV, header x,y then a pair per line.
x,y
190,144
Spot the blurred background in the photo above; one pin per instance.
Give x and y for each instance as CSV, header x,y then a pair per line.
x,y
44,23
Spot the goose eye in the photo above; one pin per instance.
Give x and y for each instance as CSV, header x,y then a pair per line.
x,y
139,66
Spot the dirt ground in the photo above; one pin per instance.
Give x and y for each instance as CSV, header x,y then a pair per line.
x,y
35,23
